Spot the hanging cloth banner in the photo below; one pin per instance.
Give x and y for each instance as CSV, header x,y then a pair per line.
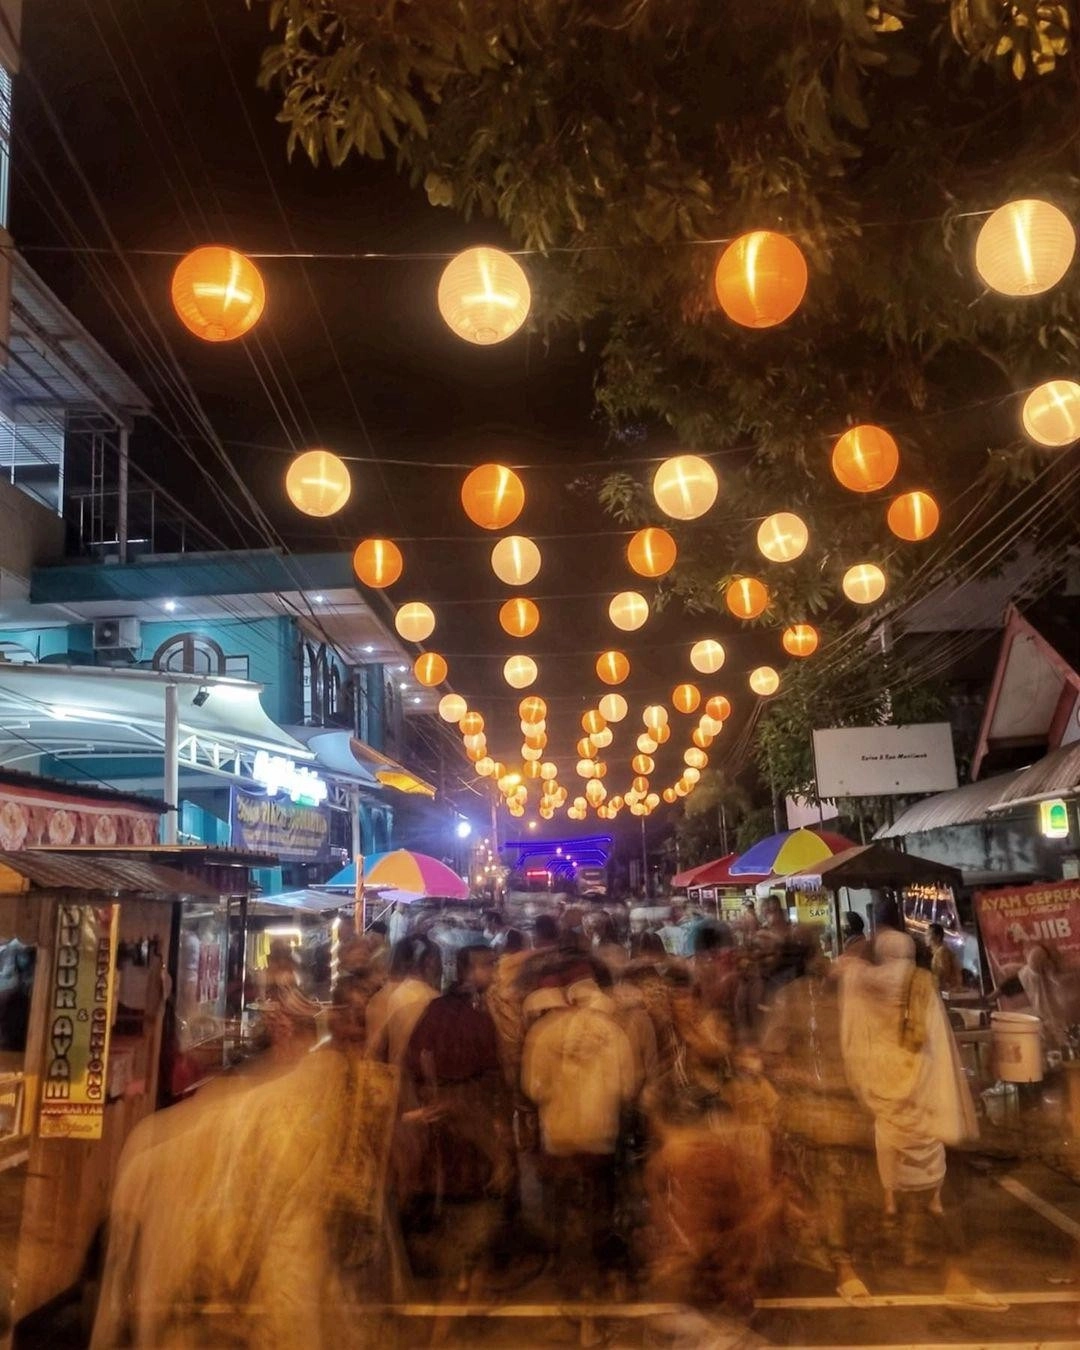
x,y
80,1021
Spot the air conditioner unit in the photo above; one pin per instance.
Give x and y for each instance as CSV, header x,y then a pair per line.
x,y
112,635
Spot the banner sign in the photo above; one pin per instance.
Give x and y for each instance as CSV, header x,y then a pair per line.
x,y
277,825
1014,916
884,761
80,1021
29,819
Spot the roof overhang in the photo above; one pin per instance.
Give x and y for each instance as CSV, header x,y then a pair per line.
x,y
79,712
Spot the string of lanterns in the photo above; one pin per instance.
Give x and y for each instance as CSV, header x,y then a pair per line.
x,y
760,281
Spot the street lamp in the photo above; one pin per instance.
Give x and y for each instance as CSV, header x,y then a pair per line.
x,y
464,828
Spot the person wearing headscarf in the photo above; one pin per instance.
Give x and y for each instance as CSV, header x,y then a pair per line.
x,y
902,1063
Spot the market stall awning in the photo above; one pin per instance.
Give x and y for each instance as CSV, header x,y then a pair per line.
x,y
959,806
389,772
688,876
719,873
334,755
1055,775
872,867
309,900
79,712
84,871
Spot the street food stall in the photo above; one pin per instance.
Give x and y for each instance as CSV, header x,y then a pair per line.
x,y
873,872
83,1057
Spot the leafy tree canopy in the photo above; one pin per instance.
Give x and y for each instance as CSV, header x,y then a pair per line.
x,y
619,137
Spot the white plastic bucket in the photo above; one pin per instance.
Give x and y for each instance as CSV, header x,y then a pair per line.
x,y
1018,1055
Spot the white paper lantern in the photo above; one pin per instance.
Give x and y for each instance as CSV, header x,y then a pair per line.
x,y
519,672
1025,247
628,610
416,622
1052,413
764,681
685,487
782,537
614,707
864,583
515,560
484,296
707,656
452,708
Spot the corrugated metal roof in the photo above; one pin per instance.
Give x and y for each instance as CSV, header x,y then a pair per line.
x,y
79,872
1058,772
960,806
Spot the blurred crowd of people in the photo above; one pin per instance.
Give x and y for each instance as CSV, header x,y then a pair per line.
x,y
605,1111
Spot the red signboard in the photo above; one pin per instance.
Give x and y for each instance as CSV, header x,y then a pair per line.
x,y
30,817
1012,918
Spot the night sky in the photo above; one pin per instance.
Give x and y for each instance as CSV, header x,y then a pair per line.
x,y
159,108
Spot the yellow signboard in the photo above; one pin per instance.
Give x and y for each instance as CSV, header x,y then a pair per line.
x,y
80,1016
813,907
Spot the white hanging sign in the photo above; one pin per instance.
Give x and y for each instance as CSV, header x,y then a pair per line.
x,y
278,774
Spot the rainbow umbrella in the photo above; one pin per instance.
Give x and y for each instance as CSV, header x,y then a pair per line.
x,y
790,851
402,875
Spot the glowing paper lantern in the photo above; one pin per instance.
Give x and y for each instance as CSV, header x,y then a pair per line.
x,y
493,496
691,776
746,597
646,744
536,740
531,756
641,785
484,296
801,639
697,759
685,487
532,728
595,792
415,621
549,771
602,739
864,583
475,742
685,698
628,610
218,294
643,764
760,279
584,767
515,560
651,552
702,738
681,788
655,716
585,747
1051,413
614,707
519,672
599,769
669,795
782,537
707,656
913,516
377,562
452,708
592,721
612,667
1025,247
471,724
711,726
532,709
764,681
485,767
430,669
317,483
519,617
865,458
718,708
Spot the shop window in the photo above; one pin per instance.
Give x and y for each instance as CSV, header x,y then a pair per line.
x,y
192,654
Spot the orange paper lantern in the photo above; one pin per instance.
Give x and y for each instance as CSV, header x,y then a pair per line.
x,y
519,617
612,667
718,708
760,279
913,516
430,669
865,458
701,738
685,698
218,293
746,597
493,496
652,552
641,785
471,724
378,563
801,639
532,709
592,721
669,795
643,764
